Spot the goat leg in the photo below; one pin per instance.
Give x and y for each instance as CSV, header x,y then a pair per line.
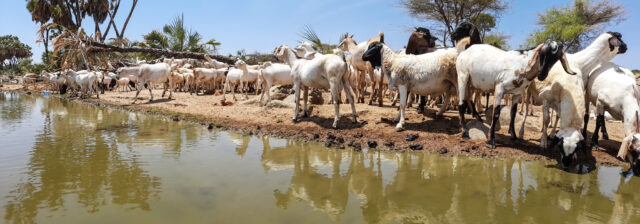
x,y
492,133
605,135
594,136
512,129
461,109
474,111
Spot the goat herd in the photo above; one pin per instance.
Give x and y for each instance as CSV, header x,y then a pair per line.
x,y
544,75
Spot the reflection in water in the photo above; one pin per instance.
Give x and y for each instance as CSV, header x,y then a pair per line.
x,y
432,189
75,158
84,163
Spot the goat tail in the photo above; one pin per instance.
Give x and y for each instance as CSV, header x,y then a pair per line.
x,y
463,44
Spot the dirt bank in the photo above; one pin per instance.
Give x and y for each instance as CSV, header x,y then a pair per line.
x,y
376,124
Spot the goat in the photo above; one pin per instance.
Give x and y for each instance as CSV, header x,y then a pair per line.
x,y
362,67
565,94
505,72
305,50
124,82
322,72
234,77
203,76
426,74
212,63
147,73
613,89
85,81
274,74
420,42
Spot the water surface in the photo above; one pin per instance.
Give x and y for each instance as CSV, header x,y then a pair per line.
x,y
64,162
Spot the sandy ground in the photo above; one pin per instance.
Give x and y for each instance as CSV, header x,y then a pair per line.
x,y
375,124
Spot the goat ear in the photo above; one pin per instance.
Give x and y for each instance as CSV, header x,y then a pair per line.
x,y
624,146
535,61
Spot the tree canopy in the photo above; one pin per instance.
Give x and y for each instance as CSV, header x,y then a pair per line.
x,y
12,49
176,36
447,14
577,24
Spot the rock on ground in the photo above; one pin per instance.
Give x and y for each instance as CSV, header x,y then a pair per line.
x,y
477,130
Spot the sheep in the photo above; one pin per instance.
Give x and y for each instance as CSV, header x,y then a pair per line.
x,y
322,72
363,67
274,74
505,72
426,74
147,73
613,89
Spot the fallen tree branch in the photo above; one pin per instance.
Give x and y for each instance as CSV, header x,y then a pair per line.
x,y
96,47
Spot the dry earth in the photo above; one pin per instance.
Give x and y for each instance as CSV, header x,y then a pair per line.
x,y
375,124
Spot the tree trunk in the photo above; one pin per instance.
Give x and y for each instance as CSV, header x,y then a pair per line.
x,y
126,22
45,41
100,47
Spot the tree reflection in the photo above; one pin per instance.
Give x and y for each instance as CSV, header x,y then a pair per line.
x,y
76,156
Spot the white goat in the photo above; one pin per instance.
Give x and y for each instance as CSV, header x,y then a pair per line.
x,y
85,81
505,72
613,89
323,72
565,94
427,74
204,76
233,79
147,73
124,82
212,63
274,74
305,50
249,75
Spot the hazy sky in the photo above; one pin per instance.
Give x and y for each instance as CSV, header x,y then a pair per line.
x,y
261,25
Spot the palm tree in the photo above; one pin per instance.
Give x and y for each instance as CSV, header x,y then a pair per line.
x,y
176,37
214,45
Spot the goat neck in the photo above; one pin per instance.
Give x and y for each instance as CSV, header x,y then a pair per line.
x,y
290,56
387,57
593,56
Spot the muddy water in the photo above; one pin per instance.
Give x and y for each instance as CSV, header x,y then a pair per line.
x,y
64,162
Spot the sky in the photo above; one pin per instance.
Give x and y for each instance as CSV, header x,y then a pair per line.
x,y
262,25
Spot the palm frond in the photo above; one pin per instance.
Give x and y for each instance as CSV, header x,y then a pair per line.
x,y
309,34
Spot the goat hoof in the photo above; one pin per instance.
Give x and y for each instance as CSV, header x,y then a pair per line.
x,y
465,135
605,136
595,148
295,121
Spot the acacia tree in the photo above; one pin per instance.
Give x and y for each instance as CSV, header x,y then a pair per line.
x,y
12,51
577,24
447,14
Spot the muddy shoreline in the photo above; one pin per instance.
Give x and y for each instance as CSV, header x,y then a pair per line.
x,y
374,130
